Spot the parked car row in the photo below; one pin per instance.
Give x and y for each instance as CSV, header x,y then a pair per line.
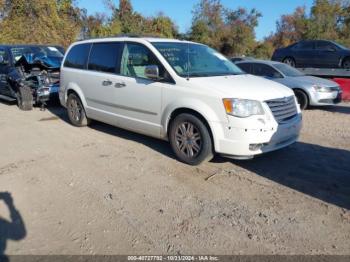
x,y
315,54
180,91
309,90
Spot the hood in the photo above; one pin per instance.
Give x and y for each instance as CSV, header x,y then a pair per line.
x,y
306,81
48,62
243,86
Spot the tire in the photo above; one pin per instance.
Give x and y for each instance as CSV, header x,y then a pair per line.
x,y
302,98
346,63
76,111
289,61
190,139
25,98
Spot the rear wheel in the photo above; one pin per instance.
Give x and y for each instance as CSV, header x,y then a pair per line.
x,y
346,63
190,139
76,111
25,98
289,61
302,98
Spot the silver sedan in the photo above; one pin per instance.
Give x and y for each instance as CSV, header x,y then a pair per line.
x,y
309,90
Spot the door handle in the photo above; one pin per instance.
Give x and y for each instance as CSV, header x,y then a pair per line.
x,y
120,85
107,83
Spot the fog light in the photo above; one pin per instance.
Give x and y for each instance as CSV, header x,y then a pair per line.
x,y
255,147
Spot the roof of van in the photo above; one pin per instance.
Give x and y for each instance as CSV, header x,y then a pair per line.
x,y
136,39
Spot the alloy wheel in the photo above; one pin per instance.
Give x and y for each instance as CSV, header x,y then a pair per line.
x,y
75,110
289,61
188,139
346,64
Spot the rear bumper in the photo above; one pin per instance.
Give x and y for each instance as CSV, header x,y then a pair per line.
x,y
246,143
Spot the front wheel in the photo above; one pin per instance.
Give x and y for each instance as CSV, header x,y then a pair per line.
x,y
190,139
302,98
76,111
289,61
346,63
25,98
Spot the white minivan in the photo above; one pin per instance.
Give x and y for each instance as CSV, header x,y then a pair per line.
x,y
179,91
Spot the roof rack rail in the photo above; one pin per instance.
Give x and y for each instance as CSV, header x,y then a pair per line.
x,y
137,35
121,35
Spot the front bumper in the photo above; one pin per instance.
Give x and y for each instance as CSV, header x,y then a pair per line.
x,y
44,94
248,142
326,98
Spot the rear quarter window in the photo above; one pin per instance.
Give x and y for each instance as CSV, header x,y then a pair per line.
x,y
77,56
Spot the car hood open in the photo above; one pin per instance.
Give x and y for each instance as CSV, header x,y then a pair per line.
x,y
243,86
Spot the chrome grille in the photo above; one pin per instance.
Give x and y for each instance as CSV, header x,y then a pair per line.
x,y
283,109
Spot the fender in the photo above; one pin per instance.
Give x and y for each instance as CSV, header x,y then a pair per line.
x,y
74,87
198,106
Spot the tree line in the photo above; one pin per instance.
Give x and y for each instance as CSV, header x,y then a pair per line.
x,y
230,31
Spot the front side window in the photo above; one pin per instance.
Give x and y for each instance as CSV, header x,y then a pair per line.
x,y
105,57
77,56
266,71
195,60
135,59
306,45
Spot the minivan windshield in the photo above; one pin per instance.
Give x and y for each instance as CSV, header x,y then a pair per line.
x,y
196,60
288,70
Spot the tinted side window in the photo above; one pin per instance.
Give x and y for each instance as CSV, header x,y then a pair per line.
x,y
266,71
305,45
321,45
135,59
105,57
77,56
246,67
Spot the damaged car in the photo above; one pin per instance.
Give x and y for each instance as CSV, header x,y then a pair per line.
x,y
29,74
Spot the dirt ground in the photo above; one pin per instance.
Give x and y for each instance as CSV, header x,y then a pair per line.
x,y
102,190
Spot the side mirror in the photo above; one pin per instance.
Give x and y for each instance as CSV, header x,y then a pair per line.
x,y
152,72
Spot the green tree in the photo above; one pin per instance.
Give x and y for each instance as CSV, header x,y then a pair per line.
x,y
39,21
229,31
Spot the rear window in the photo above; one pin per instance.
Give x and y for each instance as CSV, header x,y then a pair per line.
x,y
246,67
105,57
77,56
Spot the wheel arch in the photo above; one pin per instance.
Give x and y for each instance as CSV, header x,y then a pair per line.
x,y
73,88
342,59
305,91
184,110
203,112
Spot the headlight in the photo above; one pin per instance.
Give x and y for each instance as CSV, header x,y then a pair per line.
x,y
323,89
242,107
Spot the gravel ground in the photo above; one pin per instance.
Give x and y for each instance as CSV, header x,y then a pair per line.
x,y
102,190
